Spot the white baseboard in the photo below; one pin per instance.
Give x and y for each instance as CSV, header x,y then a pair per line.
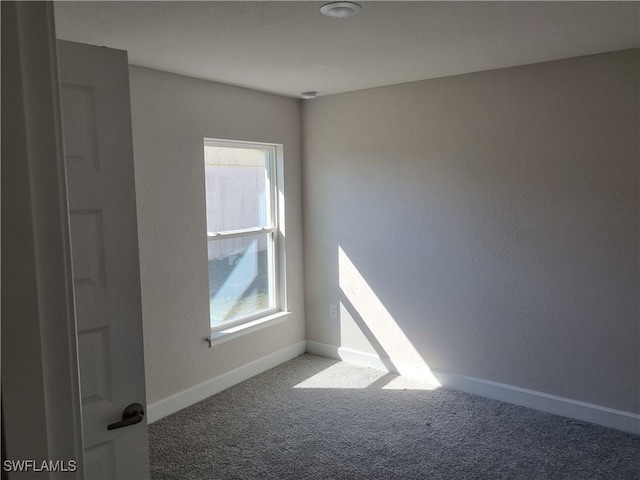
x,y
608,417
197,393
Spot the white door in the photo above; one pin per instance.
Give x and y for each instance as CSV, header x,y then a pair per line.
x,y
96,115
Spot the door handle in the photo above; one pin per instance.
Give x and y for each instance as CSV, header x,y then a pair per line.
x,y
133,414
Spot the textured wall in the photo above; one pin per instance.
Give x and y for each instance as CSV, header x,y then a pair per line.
x,y
493,217
171,116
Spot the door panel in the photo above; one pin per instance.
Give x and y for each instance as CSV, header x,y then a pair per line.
x,y
94,83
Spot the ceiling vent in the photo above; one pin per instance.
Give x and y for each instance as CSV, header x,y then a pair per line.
x,y
340,9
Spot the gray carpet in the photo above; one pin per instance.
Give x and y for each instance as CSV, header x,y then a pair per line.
x,y
315,418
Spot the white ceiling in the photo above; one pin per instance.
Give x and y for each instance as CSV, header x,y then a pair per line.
x,y
289,47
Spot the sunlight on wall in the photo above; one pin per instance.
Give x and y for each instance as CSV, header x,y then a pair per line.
x,y
377,324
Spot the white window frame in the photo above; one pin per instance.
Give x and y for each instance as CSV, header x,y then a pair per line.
x,y
275,228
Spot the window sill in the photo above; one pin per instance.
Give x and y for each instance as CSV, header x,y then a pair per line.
x,y
252,326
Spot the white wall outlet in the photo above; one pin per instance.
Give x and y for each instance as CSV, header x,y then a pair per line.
x,y
333,310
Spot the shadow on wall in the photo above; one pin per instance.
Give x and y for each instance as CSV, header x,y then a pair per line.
x,y
378,326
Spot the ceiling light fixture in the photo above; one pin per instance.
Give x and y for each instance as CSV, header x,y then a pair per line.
x,y
309,95
340,9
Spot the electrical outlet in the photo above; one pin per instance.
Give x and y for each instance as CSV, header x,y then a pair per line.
x,y
333,310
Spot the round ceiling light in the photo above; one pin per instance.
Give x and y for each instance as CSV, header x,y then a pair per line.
x,y
309,95
340,9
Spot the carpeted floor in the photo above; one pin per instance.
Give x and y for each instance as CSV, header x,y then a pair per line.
x,y
316,418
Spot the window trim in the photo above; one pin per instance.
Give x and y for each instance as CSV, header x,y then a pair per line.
x,y
245,232
252,326
275,228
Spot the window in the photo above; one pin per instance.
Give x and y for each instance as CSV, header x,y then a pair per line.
x,y
243,220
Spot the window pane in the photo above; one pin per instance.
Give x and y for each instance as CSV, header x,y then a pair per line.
x,y
237,188
240,277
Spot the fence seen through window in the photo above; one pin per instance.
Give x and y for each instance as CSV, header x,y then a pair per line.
x,y
241,231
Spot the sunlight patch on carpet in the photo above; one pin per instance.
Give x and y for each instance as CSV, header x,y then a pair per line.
x,y
344,375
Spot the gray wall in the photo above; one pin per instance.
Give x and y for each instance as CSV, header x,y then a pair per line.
x,y
171,116
494,216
